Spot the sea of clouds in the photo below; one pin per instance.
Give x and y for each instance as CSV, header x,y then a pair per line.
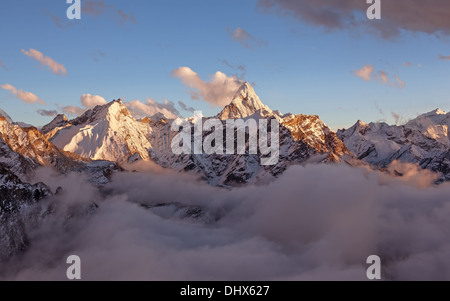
x,y
315,222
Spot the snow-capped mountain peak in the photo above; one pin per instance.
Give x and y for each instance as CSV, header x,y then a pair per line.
x,y
244,104
106,132
435,117
58,122
438,111
114,109
423,140
360,127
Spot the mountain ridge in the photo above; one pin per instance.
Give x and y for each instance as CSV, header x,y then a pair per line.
x,y
423,140
109,132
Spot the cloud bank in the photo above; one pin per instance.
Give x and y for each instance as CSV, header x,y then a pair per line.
x,y
397,16
316,222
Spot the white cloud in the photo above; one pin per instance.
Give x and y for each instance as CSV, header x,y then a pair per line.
x,y
218,91
91,101
55,67
27,97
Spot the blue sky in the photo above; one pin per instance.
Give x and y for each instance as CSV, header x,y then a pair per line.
x,y
296,66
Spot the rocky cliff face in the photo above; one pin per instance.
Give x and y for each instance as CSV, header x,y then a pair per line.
x,y
15,197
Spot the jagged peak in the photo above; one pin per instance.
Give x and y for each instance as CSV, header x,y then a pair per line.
x,y
360,123
6,116
435,112
246,93
119,107
60,117
245,88
244,103
359,126
114,108
59,121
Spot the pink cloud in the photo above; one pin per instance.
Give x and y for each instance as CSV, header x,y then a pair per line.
x,y
365,72
368,72
218,91
382,77
27,97
55,67
400,84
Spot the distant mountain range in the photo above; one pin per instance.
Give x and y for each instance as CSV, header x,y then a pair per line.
x,y
423,141
108,135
